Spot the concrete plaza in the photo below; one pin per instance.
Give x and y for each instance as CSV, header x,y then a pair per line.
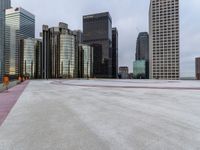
x,y
104,115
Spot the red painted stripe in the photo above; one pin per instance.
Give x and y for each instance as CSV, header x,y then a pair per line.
x,y
9,98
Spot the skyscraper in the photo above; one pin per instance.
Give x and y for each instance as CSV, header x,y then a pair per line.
x,y
142,47
4,4
141,64
164,39
114,52
20,24
79,40
140,69
86,53
198,68
30,51
58,52
97,32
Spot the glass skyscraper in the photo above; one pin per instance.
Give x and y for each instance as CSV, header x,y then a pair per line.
x,y
58,52
114,52
141,64
4,4
20,24
142,47
97,32
139,69
86,61
67,55
30,50
79,38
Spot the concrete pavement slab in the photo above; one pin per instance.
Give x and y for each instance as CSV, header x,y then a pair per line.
x,y
76,115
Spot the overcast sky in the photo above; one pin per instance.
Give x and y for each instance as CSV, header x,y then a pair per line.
x,y
129,16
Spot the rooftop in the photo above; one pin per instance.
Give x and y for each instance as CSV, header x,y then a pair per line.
x,y
19,10
104,115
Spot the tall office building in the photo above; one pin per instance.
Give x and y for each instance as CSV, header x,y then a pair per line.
x,y
79,40
4,4
30,60
198,68
20,24
86,59
164,39
141,64
97,32
140,69
58,52
142,47
114,52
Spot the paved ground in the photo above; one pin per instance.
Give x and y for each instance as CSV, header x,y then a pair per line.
x,y
104,115
9,98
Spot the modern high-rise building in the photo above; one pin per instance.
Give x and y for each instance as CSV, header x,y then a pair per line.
x,y
86,61
164,55
141,64
67,55
97,32
4,4
58,52
114,52
79,40
140,68
30,60
142,47
198,68
20,24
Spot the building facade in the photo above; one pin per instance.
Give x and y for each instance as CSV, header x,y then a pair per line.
x,y
97,32
140,69
67,55
123,72
20,24
142,47
86,61
79,40
30,51
164,46
114,52
58,52
141,64
4,4
198,68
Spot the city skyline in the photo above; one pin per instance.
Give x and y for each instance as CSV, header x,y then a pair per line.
x,y
131,20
